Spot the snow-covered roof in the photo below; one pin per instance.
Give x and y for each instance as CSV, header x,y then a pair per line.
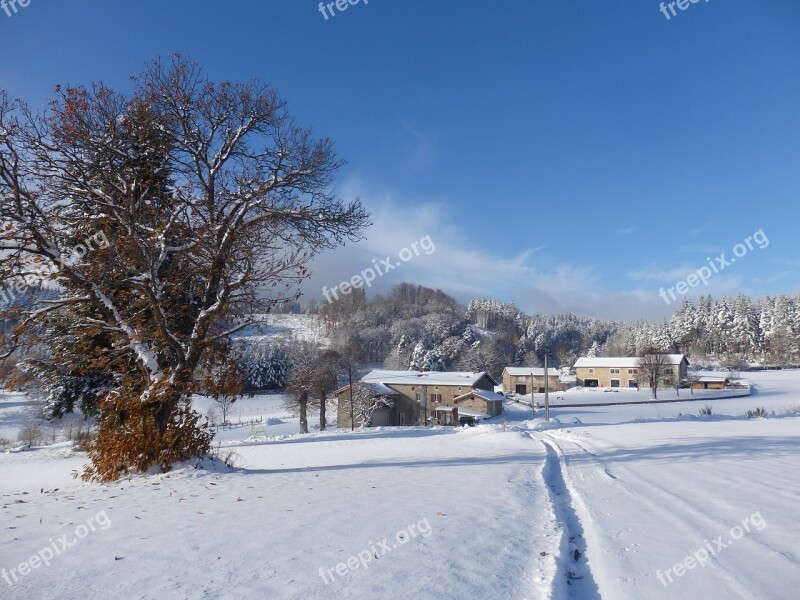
x,y
624,362
467,412
375,387
378,388
537,371
485,394
423,377
712,379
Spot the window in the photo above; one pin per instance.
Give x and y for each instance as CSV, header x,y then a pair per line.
x,y
436,398
521,389
615,371
419,397
591,370
668,371
615,383
632,371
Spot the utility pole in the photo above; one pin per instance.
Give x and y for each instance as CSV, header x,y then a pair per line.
x,y
533,409
546,391
425,405
352,410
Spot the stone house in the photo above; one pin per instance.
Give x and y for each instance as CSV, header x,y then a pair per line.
x,y
480,401
623,371
521,380
418,394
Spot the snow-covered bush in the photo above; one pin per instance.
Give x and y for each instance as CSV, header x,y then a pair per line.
x,y
758,413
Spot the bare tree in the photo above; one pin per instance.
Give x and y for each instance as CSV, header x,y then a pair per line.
x,y
351,356
203,201
653,368
365,402
692,378
300,383
326,380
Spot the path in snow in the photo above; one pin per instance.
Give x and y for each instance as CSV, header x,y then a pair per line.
x,y
573,560
641,519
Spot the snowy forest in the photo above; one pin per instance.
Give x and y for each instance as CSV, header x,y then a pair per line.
x,y
417,328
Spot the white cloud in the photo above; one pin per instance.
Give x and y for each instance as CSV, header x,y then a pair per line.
x,y
467,267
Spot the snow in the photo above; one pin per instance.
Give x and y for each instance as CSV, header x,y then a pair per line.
x,y
580,396
536,371
500,510
485,394
275,328
468,412
423,377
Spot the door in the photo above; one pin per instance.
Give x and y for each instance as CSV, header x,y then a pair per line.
x,y
380,418
521,389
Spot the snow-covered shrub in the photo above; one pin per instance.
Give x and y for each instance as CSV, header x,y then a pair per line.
x,y
82,439
758,413
32,434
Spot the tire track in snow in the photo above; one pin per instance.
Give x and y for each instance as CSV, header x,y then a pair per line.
x,y
678,520
576,571
701,521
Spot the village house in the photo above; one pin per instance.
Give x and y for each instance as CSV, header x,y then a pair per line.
x,y
477,403
623,371
523,380
419,396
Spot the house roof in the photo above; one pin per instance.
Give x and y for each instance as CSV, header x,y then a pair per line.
x,y
537,371
485,394
466,412
424,377
375,387
624,362
709,379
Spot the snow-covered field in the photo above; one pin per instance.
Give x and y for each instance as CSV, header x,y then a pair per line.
x,y
633,501
580,396
284,328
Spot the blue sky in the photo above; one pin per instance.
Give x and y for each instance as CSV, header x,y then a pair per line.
x,y
561,155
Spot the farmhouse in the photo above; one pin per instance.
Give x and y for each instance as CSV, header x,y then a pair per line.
x,y
482,401
524,380
421,395
623,371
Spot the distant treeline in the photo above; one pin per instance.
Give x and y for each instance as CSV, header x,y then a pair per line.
x,y
414,327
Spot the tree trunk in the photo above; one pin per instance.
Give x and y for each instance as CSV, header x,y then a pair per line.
x,y
304,413
322,421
